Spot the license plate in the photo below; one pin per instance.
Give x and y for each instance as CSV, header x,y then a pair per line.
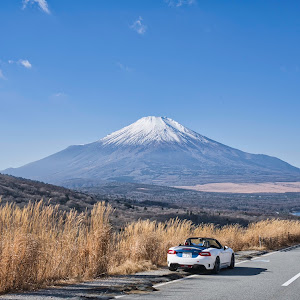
x,y
186,254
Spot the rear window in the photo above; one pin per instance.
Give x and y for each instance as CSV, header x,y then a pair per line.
x,y
202,242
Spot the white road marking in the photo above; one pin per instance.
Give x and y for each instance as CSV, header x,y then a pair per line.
x,y
267,254
291,280
270,253
263,260
176,280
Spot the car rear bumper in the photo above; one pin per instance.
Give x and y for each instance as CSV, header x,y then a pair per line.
x,y
199,262
192,267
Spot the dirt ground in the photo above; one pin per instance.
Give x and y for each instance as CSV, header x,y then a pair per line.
x,y
247,188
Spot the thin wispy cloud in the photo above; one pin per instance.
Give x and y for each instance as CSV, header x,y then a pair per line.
x,y
178,3
123,67
59,94
59,98
23,62
138,26
2,75
43,5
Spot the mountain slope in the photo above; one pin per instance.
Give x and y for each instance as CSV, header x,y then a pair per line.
x,y
157,150
22,191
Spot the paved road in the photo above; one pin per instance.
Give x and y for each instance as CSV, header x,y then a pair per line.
x,y
262,277
274,276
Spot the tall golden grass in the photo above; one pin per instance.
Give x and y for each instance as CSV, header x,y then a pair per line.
x,y
146,241
41,245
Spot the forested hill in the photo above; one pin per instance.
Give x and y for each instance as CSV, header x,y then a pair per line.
x,y
21,191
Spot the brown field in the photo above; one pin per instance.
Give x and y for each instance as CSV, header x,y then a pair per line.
x,y
247,188
41,245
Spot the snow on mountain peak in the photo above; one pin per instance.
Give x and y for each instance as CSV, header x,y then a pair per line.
x,y
149,130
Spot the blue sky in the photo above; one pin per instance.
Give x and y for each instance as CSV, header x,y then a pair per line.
x,y
73,71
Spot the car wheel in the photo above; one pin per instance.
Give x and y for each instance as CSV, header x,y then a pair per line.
x,y
172,268
232,262
216,268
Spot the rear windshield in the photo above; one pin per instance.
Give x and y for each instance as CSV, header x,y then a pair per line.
x,y
202,242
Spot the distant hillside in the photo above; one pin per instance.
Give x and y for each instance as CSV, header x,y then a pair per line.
x,y
21,191
139,201
256,203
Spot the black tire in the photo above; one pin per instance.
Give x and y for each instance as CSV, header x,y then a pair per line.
x,y
172,268
232,262
217,266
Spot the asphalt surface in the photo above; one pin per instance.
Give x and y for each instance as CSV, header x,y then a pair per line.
x,y
273,276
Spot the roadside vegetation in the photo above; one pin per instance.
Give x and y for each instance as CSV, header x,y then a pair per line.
x,y
41,245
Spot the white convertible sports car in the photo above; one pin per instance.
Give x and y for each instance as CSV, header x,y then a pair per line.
x,y
201,253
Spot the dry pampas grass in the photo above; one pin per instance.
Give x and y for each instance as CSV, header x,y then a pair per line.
x,y
41,245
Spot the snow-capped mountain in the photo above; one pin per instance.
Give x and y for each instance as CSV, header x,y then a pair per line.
x,y
152,130
156,150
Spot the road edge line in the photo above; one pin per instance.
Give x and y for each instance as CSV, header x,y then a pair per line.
x,y
287,283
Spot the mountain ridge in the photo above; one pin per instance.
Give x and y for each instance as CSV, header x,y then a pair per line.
x,y
149,130
157,150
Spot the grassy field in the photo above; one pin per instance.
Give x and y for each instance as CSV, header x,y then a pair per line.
x,y
40,244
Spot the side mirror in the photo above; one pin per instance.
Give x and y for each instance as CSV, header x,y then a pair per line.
x,y
225,247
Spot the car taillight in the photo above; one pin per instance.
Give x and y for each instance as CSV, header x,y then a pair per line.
x,y
204,253
171,252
